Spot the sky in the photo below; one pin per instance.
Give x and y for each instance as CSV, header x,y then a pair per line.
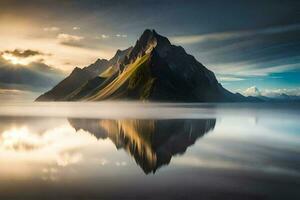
x,y
246,43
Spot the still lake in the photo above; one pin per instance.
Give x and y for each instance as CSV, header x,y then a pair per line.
x,y
122,150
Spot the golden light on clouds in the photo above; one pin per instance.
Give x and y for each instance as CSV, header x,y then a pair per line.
x,y
19,139
15,60
23,57
69,44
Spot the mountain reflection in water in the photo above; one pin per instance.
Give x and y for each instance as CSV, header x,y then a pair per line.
x,y
152,143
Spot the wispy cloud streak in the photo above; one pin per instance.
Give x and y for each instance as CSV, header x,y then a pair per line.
x,y
191,39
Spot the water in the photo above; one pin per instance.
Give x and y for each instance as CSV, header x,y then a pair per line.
x,y
117,150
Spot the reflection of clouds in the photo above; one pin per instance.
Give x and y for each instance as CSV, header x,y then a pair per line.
x,y
120,164
104,161
200,162
57,145
65,159
19,139
243,145
262,133
50,174
219,163
46,148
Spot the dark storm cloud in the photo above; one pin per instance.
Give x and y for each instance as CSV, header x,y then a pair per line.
x,y
23,53
36,76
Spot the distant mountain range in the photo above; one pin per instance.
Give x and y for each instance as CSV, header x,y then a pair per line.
x,y
254,92
278,98
152,70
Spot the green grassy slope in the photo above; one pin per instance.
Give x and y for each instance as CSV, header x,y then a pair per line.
x,y
135,81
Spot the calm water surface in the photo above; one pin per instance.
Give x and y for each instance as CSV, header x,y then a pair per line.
x,y
149,151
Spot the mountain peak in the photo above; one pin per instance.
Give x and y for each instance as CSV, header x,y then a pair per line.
x,y
149,40
149,32
146,33
150,35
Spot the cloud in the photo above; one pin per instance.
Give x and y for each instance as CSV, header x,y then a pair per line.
x,y
103,36
191,39
76,28
252,69
51,29
121,35
22,53
70,40
272,69
229,78
23,57
11,91
219,36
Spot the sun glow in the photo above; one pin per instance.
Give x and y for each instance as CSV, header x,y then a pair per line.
x,y
15,60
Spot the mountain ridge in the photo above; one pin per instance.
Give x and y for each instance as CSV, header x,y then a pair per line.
x,y
79,77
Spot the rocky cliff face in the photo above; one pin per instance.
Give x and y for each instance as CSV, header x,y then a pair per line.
x,y
153,70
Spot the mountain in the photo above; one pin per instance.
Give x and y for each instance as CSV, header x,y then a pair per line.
x,y
152,143
285,97
153,70
252,91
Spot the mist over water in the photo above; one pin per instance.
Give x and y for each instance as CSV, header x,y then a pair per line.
x,y
140,110
129,150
